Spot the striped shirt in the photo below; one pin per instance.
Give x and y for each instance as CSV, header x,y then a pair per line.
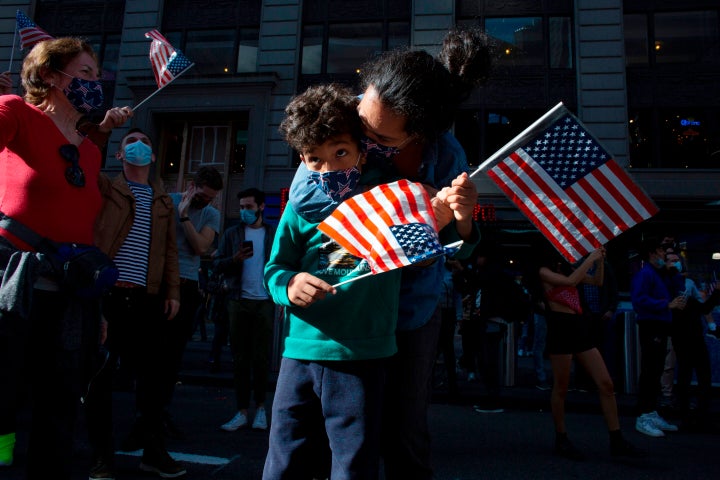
x,y
132,257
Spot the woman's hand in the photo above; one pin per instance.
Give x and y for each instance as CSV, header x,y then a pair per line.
x,y
461,198
5,83
114,118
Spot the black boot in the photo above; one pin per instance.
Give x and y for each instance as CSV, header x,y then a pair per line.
x,y
619,447
157,460
565,448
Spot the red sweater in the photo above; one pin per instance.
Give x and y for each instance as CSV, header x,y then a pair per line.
x,y
33,189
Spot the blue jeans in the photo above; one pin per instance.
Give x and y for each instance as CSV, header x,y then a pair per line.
x,y
539,347
320,403
406,435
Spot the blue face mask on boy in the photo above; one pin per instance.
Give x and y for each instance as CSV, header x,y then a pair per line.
x,y
338,184
138,153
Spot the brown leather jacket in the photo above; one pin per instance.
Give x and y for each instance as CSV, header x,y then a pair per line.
x,y
113,225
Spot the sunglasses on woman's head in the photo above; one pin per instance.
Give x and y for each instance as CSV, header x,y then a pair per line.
x,y
73,173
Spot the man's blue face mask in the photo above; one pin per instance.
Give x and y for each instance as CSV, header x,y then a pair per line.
x,y
248,217
138,153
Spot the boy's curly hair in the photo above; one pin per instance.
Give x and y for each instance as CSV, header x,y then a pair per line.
x,y
319,113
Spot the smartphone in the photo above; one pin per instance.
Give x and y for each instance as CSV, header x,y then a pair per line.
x,y
248,245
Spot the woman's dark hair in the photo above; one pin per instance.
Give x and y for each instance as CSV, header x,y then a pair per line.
x,y
319,113
427,91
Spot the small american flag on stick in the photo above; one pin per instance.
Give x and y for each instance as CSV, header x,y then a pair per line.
x,y
391,226
30,34
167,62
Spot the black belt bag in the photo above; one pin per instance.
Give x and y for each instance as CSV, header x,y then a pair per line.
x,y
81,270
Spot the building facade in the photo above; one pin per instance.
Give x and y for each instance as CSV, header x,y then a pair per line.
x,y
643,76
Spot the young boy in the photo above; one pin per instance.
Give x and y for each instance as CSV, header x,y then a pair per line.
x,y
330,385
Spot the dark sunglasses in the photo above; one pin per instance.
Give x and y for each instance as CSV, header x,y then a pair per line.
x,y
73,174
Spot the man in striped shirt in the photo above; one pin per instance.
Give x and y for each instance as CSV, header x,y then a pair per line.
x,y
136,228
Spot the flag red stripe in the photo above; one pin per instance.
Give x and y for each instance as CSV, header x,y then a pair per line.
x,y
605,209
548,215
616,195
638,195
567,215
348,232
537,221
381,213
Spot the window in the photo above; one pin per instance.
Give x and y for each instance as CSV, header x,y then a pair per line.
x,y
636,39
339,36
218,140
674,138
686,37
520,39
219,37
529,41
483,132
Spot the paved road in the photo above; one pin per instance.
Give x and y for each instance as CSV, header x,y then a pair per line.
x,y
467,445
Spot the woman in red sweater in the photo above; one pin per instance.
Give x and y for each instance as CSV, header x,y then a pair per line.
x,y
48,183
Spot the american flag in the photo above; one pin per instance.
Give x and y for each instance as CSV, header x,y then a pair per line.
x,y
568,185
30,34
167,62
390,226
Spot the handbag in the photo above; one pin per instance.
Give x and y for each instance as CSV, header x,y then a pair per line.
x,y
81,270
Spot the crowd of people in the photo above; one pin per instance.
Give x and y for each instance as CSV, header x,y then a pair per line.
x,y
354,386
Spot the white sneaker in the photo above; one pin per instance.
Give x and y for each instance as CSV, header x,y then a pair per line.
x,y
645,424
661,423
260,422
239,420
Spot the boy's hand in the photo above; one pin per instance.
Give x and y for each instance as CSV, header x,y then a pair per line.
x,y
443,213
305,289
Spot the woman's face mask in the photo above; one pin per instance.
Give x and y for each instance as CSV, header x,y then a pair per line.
x,y
138,153
339,184
85,95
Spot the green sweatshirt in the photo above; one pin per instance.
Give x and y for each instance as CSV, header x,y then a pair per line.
x,y
358,323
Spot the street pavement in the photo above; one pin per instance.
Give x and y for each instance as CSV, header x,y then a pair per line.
x,y
467,445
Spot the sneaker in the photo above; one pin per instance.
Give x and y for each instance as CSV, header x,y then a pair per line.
x,y
544,386
160,462
661,423
260,421
102,471
565,448
645,424
239,420
7,446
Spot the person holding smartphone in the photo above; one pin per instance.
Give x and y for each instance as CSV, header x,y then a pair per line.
x,y
242,254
